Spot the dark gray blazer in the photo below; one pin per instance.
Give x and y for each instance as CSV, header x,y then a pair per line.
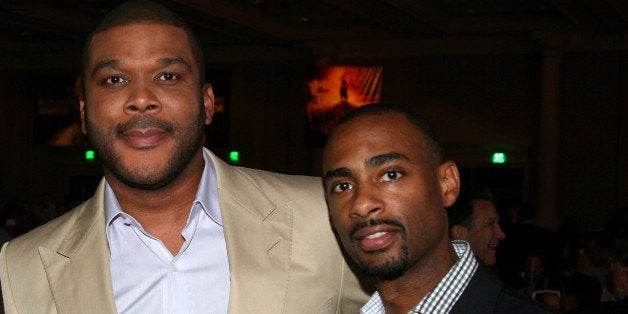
x,y
487,294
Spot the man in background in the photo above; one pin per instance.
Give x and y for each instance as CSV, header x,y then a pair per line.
x,y
473,218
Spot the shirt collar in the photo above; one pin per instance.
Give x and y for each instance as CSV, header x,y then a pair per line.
x,y
442,298
206,197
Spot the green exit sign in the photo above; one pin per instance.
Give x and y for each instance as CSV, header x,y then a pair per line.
x,y
234,156
498,158
90,155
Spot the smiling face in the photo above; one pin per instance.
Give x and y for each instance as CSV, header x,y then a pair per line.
x,y
386,195
485,235
144,109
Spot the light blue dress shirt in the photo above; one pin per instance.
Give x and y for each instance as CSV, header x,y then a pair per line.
x,y
148,279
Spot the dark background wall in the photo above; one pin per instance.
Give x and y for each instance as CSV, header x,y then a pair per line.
x,y
477,102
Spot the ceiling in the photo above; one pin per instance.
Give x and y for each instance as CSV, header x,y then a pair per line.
x,y
51,32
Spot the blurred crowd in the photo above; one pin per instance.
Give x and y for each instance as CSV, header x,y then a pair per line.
x,y
567,270
20,217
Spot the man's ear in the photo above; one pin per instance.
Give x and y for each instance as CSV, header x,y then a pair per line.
x,y
82,112
449,182
208,102
459,232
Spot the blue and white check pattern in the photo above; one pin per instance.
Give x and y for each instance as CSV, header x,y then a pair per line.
x,y
446,293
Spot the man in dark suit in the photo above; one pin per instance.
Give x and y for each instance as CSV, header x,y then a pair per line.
x,y
387,187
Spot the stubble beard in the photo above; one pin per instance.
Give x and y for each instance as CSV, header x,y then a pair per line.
x,y
186,147
393,268
395,265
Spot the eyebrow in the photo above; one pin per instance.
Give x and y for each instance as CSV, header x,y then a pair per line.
x,y
171,61
164,61
384,158
105,64
370,163
340,172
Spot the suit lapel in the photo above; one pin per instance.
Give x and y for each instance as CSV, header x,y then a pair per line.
x,y
258,234
79,268
480,296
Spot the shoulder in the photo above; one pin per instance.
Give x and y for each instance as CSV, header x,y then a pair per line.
x,y
43,235
275,186
510,301
488,294
284,182
233,177
50,235
302,193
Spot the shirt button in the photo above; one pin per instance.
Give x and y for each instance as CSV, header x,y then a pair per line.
x,y
174,268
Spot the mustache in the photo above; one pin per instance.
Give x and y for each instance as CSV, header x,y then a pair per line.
x,y
375,222
142,122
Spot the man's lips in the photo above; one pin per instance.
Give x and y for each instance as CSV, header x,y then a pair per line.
x,y
143,138
375,238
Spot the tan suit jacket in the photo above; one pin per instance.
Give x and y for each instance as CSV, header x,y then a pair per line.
x,y
283,257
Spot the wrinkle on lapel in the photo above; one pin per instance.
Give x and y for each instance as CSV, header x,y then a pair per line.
x,y
259,251
258,234
89,220
79,268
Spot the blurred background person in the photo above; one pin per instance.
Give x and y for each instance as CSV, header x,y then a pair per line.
x,y
474,218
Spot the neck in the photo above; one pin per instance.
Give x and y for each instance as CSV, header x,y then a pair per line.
x,y
402,294
162,212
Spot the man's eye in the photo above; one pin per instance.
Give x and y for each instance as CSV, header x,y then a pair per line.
x,y
341,187
391,175
167,77
114,80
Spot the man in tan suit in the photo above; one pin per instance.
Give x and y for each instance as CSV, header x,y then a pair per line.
x,y
172,228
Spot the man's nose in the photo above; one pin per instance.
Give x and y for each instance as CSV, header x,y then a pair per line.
x,y
142,99
499,233
367,201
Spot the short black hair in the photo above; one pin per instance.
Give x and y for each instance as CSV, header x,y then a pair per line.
x,y
143,11
461,212
381,108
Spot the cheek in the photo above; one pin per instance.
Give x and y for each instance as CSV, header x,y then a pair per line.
x,y
104,104
336,221
489,234
181,107
494,231
337,204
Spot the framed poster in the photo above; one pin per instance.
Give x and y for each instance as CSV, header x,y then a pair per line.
x,y
334,91
57,121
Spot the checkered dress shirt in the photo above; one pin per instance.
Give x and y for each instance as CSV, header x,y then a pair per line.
x,y
446,293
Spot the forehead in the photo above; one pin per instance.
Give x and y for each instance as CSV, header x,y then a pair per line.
x,y
372,135
139,39
484,208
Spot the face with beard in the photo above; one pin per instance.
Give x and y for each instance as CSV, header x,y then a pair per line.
x,y
149,177
392,267
387,195
144,109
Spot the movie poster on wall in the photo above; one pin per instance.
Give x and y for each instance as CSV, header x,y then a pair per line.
x,y
335,90
57,113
